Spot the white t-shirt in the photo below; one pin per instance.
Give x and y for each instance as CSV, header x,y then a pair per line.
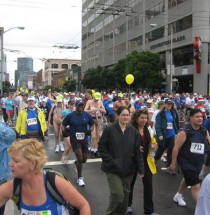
x,y
154,119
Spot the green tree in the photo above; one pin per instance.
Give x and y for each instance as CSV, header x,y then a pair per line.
x,y
70,85
6,86
47,87
145,66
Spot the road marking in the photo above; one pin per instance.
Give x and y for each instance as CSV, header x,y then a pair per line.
x,y
54,163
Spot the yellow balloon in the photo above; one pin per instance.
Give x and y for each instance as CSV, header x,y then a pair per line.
x,y
129,79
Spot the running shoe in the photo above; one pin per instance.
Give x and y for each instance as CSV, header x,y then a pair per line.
x,y
178,198
61,147
80,182
96,154
163,159
57,148
129,210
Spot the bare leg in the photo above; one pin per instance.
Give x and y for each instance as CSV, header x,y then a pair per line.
x,y
195,190
182,186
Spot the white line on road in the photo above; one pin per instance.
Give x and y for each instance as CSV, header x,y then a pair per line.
x,y
54,163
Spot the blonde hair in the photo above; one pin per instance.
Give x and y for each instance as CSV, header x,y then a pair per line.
x,y
32,149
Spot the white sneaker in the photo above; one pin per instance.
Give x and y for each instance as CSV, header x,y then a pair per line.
x,y
180,200
57,148
163,159
61,147
129,210
80,182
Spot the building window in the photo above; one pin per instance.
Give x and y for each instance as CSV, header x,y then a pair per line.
x,y
64,66
180,25
183,56
132,44
154,35
120,30
54,66
174,3
155,10
120,48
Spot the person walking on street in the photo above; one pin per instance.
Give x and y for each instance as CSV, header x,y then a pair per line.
x,y
31,122
140,121
167,125
119,147
77,122
190,149
3,107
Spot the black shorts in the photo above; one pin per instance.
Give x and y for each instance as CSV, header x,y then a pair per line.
x,y
191,177
77,144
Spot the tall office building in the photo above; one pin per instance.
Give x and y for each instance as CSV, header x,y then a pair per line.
x,y
112,29
24,70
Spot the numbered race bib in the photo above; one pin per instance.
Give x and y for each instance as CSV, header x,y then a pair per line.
x,y
80,136
32,121
111,105
169,125
27,212
197,148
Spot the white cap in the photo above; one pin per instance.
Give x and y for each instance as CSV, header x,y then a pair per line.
x,y
31,98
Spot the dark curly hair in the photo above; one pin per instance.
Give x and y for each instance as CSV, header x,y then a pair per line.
x,y
135,116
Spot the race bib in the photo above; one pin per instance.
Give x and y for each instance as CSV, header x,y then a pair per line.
x,y
27,212
111,105
169,125
80,136
197,148
32,121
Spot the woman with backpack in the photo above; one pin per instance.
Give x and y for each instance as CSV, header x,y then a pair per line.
x,y
28,157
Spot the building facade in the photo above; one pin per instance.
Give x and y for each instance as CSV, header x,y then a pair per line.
x,y
56,69
24,69
112,29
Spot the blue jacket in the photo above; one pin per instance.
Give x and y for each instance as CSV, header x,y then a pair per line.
x,y
7,136
161,125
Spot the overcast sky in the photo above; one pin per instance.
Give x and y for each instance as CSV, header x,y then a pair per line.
x,y
47,23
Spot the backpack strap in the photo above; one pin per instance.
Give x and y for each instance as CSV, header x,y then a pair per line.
x,y
17,191
51,188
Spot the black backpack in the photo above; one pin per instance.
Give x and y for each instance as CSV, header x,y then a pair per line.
x,y
51,188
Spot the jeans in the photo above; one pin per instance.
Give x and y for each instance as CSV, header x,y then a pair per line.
x,y
119,193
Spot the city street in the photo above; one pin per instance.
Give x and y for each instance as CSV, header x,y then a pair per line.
x,y
96,190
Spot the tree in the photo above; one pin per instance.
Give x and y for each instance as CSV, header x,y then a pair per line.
x,y
47,87
6,86
70,85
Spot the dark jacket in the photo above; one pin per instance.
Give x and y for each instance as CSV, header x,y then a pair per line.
x,y
120,151
161,125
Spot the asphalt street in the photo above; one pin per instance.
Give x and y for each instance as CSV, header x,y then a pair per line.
x,y
96,190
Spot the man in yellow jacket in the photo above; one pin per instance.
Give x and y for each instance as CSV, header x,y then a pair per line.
x,y
31,122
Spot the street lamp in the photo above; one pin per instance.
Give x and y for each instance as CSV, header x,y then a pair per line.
x,y
2,32
171,56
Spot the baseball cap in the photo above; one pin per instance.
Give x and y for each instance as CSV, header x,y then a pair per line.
x,y
120,95
71,102
110,96
160,103
97,96
79,102
45,100
200,99
169,101
31,98
149,100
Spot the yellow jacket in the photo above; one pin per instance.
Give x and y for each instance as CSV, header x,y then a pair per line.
x,y
151,160
21,124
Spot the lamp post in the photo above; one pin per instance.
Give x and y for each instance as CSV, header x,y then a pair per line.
x,y
2,32
170,82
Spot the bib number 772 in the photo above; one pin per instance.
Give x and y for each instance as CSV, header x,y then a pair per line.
x,y
197,148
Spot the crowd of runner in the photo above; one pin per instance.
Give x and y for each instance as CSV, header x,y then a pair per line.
x,y
89,122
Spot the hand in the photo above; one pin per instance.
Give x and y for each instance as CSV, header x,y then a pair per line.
x,y
45,138
141,175
153,146
88,132
172,167
141,148
160,137
65,133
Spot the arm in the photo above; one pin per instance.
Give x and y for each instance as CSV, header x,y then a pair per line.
x,y
6,191
71,195
102,109
181,138
158,127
